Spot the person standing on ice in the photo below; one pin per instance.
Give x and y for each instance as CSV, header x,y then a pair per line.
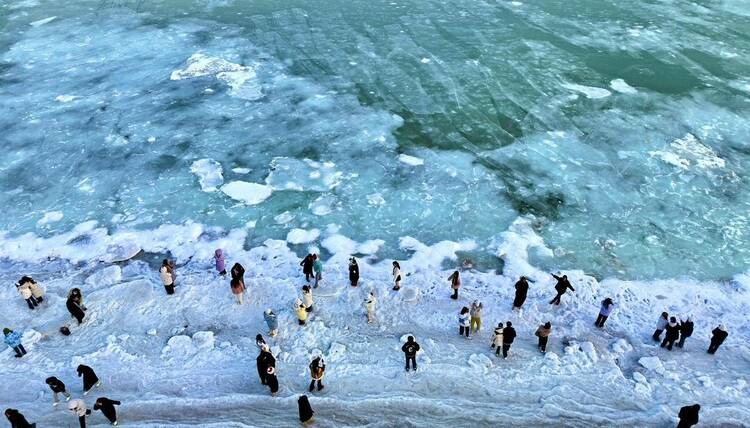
x,y
307,298
25,291
318,269
167,279
238,272
455,280
353,272
77,296
543,333
31,291
396,272
271,322
661,324
370,307
265,360
299,309
78,408
317,371
305,410
689,416
673,333
497,339
307,266
686,330
90,379
509,335
75,308
107,407
13,340
410,350
476,316
57,387
17,419
561,287
220,262
238,289
463,322
604,310
522,289
720,334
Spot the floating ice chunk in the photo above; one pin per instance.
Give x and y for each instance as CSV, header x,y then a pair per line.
x,y
43,21
322,205
410,160
591,92
622,86
240,170
516,3
248,193
151,139
50,217
652,363
241,79
121,251
284,217
339,244
370,246
375,199
687,151
209,174
303,175
301,236
425,60
65,98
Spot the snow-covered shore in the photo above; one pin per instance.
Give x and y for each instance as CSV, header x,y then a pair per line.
x,y
189,360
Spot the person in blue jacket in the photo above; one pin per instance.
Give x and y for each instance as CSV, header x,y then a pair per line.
x,y
271,321
13,340
318,269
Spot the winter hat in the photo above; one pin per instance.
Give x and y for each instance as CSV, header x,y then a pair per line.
x,y
269,311
722,327
7,331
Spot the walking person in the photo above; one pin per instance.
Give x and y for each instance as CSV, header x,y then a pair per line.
x,y
463,322
561,287
353,272
497,339
220,262
661,324
17,419
271,321
396,272
522,289
476,316
307,298
167,279
318,269
689,416
543,333
307,266
107,407
509,335
299,309
305,410
604,311
719,335
57,387
317,371
78,408
90,379
455,280
370,307
13,340
686,330
410,350
673,333
238,289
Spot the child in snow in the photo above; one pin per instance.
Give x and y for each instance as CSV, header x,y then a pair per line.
x,y
689,416
317,370
78,408
497,339
238,289
370,307
719,335
318,269
522,289
307,266
686,330
13,340
259,341
301,312
167,278
509,335
307,298
107,407
604,311
31,291
353,272
455,280
543,333
90,379
476,316
220,263
272,381
561,287
305,410
271,322
17,420
463,322
410,350
661,324
673,333
57,387
396,275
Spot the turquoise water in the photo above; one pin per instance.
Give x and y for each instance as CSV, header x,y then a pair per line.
x,y
620,126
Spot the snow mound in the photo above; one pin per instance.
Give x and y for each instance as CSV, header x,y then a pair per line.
x,y
209,174
480,362
241,79
652,363
182,346
302,236
248,193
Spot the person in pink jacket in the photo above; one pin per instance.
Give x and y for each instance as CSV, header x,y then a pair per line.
x,y
220,263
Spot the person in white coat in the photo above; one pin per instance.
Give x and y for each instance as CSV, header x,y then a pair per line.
x,y
166,274
497,339
24,289
78,408
370,307
307,298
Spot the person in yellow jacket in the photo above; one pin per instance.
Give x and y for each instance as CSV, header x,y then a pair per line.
x,y
370,307
299,309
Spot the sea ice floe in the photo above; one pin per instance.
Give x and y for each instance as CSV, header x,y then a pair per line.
x,y
209,174
248,193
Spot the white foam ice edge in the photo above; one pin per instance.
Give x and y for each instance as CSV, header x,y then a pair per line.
x,y
622,86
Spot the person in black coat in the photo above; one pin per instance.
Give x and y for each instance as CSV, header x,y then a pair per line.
x,y
271,380
57,387
265,360
75,309
688,416
410,350
17,420
720,334
107,408
673,333
90,379
509,335
561,287
686,330
522,288
353,272
305,410
307,266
